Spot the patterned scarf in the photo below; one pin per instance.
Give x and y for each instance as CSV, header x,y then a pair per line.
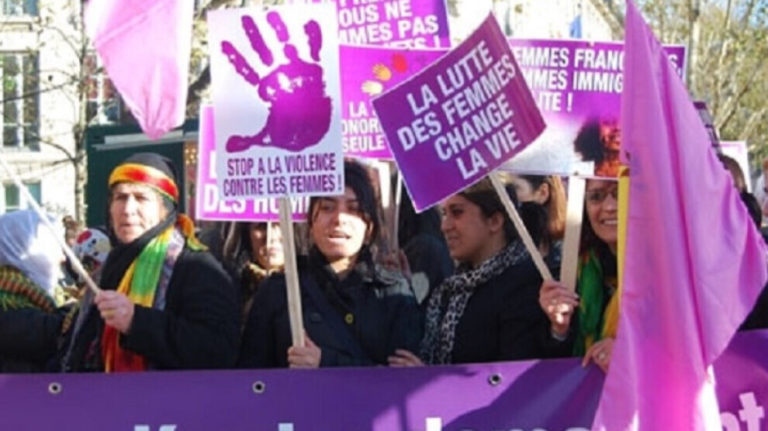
x,y
448,301
17,291
596,320
144,283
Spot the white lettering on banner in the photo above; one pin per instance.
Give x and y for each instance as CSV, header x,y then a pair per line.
x,y
606,82
363,144
434,424
363,125
388,23
148,428
212,165
357,110
212,203
541,56
600,59
751,414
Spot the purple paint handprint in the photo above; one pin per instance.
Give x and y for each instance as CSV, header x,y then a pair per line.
x,y
300,111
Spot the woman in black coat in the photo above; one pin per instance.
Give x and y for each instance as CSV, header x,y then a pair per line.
x,y
487,311
165,302
355,313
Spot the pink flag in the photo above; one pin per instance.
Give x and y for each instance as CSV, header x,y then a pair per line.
x,y
695,262
145,47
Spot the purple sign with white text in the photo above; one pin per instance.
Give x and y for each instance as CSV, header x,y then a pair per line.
x,y
208,203
460,118
368,72
394,23
577,85
547,395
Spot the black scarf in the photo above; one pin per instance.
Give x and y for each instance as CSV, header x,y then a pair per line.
x,y
123,255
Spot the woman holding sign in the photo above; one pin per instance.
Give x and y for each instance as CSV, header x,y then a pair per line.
x,y
355,312
591,332
487,311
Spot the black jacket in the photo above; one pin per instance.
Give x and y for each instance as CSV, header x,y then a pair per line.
x,y
502,318
29,339
356,321
198,328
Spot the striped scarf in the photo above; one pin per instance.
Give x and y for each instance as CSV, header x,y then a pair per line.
x,y
140,284
597,320
17,291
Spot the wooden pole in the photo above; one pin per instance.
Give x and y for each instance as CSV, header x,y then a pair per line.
x,y
520,227
291,273
573,221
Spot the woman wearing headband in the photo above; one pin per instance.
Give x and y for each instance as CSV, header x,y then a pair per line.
x,y
165,302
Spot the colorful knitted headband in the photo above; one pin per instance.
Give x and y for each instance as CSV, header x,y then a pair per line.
x,y
147,175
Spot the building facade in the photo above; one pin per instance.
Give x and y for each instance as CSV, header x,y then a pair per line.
x,y
51,90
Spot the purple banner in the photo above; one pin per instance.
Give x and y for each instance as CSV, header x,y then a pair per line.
x,y
552,395
460,118
394,23
209,204
368,72
577,85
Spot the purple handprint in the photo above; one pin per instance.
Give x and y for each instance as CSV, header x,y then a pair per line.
x,y
300,111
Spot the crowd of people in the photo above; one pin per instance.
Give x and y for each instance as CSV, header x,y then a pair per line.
x,y
168,300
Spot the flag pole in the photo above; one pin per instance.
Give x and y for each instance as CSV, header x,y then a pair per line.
x,y
74,261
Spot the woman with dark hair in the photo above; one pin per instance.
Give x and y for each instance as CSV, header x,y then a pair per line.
x,y
546,191
599,141
583,323
488,310
355,312
424,247
252,252
165,303
30,262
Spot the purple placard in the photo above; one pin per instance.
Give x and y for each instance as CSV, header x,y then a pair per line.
x,y
549,395
460,118
574,83
208,203
394,23
369,71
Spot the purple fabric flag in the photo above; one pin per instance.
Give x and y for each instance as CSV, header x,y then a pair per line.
x,y
145,47
695,262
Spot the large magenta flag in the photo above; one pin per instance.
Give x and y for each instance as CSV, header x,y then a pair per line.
x,y
695,262
145,47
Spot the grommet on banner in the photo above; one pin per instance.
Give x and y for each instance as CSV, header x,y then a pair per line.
x,y
494,379
259,387
54,388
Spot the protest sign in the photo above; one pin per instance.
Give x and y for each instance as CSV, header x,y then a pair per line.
x,y
394,23
368,72
460,118
577,85
546,395
275,82
208,203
